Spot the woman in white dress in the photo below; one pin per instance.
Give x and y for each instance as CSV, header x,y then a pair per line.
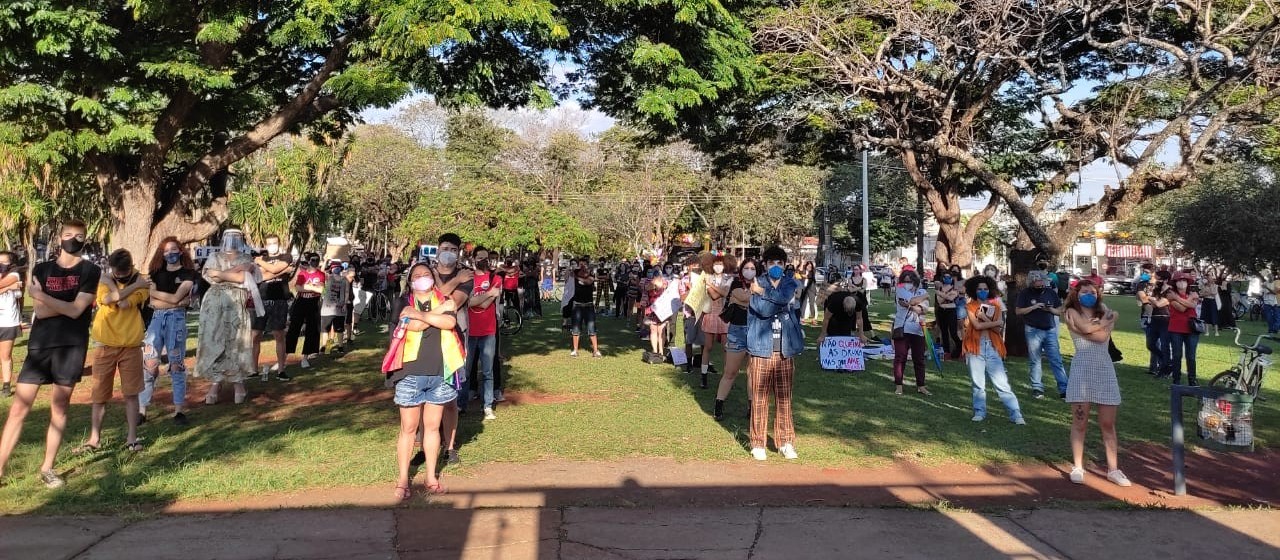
x,y
1092,379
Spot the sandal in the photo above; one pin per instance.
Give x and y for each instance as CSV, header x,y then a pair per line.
x,y
923,391
436,489
86,449
133,447
402,493
897,389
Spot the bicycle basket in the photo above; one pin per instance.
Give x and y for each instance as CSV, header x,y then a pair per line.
x,y
1226,422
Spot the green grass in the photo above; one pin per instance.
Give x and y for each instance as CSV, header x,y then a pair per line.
x,y
610,408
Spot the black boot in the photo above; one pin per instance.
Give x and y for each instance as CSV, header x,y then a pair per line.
x,y
704,380
719,410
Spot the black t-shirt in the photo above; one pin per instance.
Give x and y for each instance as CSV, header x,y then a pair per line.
x,y
738,313
1039,319
583,293
430,360
841,322
168,281
369,277
64,284
465,287
277,288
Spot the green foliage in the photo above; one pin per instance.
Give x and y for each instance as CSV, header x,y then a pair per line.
x,y
1217,219
892,208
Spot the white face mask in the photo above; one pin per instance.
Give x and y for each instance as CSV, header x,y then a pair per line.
x,y
272,248
448,258
749,273
718,268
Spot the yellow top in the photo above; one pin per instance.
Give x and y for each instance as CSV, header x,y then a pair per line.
x,y
113,326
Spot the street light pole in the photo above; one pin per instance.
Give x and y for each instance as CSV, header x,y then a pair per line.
x,y
866,215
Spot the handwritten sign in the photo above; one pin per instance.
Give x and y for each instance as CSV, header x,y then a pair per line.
x,y
841,353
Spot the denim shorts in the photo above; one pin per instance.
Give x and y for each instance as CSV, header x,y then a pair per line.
x,y
417,390
737,339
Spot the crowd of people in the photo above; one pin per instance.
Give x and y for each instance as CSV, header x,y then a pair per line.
x,y
444,328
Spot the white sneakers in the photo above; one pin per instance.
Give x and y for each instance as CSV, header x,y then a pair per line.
x,y
789,452
1119,478
573,354
978,418
489,415
1116,477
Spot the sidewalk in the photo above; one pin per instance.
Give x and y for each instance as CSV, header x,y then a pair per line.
x,y
617,533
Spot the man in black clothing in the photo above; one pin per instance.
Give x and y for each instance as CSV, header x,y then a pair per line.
x,y
584,307
63,290
277,270
842,315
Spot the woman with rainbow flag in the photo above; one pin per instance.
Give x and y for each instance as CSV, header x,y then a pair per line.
x,y
424,364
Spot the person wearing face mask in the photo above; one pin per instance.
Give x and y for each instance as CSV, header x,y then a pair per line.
x,y
225,349
735,344
172,277
1155,324
277,269
621,279
117,329
714,328
366,287
584,312
984,348
10,317
908,330
432,359
457,284
304,314
482,332
807,276
774,339
1183,336
1040,308
333,308
1092,381
62,291
945,298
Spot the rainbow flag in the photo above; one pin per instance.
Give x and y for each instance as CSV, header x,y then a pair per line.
x,y
405,345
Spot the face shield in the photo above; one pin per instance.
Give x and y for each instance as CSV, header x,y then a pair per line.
x,y
233,241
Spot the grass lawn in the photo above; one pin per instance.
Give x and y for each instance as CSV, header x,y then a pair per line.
x,y
334,425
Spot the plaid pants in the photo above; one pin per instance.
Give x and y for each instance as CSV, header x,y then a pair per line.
x,y
771,376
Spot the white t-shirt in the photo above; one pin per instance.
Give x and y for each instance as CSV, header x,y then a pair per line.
x,y
10,312
910,322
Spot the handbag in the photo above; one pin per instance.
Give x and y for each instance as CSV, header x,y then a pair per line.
x,y
1198,326
726,314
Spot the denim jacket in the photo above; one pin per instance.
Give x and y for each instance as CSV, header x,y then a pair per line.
x,y
775,303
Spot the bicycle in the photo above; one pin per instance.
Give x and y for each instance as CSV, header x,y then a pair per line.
x,y
1246,375
1247,305
512,321
379,308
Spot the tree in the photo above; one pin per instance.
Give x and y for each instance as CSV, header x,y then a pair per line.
x,y
383,175
892,206
156,100
1016,97
287,190
1213,219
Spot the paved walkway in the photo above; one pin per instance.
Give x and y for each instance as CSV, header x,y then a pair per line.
x,y
645,533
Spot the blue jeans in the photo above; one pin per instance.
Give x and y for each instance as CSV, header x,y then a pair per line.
x,y
988,363
166,335
1158,345
584,317
1046,340
1180,343
479,349
1271,314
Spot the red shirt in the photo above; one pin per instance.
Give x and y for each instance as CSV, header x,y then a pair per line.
x,y
312,276
483,321
1180,321
511,281
1097,280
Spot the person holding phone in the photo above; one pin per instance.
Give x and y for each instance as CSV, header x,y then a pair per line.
x,y
984,348
1093,377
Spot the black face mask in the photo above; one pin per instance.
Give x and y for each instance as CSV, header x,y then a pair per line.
x,y
73,245
4,269
482,264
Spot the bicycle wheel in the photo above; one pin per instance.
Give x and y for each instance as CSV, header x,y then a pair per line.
x,y
1229,379
1255,312
512,321
1240,309
381,308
